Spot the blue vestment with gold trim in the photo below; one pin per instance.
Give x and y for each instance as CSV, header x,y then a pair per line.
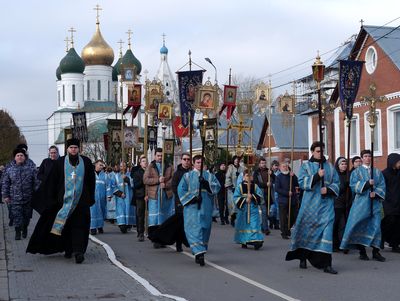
x,y
362,228
197,221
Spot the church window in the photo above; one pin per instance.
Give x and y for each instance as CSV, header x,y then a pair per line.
x,y
354,136
397,129
99,90
166,84
371,59
73,93
88,90
167,93
108,92
64,93
59,97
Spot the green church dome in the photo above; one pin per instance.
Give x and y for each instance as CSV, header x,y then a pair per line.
x,y
129,59
72,63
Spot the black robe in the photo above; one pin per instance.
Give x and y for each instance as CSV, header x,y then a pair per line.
x,y
39,196
75,235
391,205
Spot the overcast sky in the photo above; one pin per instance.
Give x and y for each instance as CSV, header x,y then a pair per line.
x,y
254,38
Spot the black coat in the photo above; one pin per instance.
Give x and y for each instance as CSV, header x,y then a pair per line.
x,y
391,205
39,197
138,186
282,183
221,175
176,178
75,235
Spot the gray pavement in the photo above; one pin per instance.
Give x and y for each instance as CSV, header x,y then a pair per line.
x,y
37,277
177,274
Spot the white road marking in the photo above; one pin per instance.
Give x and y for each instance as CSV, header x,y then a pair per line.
x,y
245,279
151,289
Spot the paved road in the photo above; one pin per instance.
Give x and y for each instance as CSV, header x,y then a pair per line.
x,y
37,277
177,274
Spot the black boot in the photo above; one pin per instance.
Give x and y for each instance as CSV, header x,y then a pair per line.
x,y
79,258
100,230
257,245
93,231
303,264
24,231
200,259
233,218
363,253
17,233
330,270
141,237
123,228
179,247
377,256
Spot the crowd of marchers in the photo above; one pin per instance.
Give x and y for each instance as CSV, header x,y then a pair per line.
x,y
321,209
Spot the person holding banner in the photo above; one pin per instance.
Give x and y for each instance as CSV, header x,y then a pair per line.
x,y
160,201
248,197
65,222
313,230
122,190
97,211
232,174
363,228
196,191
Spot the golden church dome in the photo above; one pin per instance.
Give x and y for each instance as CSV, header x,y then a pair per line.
x,y
97,51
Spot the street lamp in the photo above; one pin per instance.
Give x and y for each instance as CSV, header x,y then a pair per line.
x,y
318,69
210,62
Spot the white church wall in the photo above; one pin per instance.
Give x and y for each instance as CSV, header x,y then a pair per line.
x,y
94,75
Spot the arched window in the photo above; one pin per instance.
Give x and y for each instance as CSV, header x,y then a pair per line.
x,y
73,93
99,89
88,90
63,93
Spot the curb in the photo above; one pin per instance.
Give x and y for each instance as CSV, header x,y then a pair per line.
x,y
4,288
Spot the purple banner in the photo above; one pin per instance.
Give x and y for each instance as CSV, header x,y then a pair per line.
x,y
188,81
349,81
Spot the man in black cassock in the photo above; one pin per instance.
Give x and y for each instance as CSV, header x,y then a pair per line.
x,y
73,235
391,205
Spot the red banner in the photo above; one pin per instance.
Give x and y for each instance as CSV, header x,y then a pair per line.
x,y
179,130
229,100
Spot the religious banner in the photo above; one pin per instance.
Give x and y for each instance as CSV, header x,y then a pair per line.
x,y
210,139
154,95
152,136
165,111
230,93
245,109
139,147
188,82
128,72
131,136
80,128
179,130
169,151
262,94
134,99
207,97
349,81
114,150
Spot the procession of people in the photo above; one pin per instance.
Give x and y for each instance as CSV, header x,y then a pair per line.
x,y
170,205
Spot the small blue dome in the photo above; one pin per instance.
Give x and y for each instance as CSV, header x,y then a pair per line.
x,y
164,50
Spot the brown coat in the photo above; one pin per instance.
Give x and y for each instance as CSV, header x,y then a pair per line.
x,y
151,180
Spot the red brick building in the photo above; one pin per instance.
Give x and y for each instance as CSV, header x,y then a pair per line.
x,y
379,47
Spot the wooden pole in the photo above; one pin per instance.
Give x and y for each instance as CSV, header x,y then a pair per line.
x,y
292,154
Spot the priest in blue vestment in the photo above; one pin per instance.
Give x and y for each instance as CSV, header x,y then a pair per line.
x,y
313,230
248,218
363,228
198,208
97,211
122,190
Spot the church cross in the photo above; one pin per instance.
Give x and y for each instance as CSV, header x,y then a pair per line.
x,y
241,128
67,40
72,30
97,9
129,33
362,22
372,100
120,42
163,35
